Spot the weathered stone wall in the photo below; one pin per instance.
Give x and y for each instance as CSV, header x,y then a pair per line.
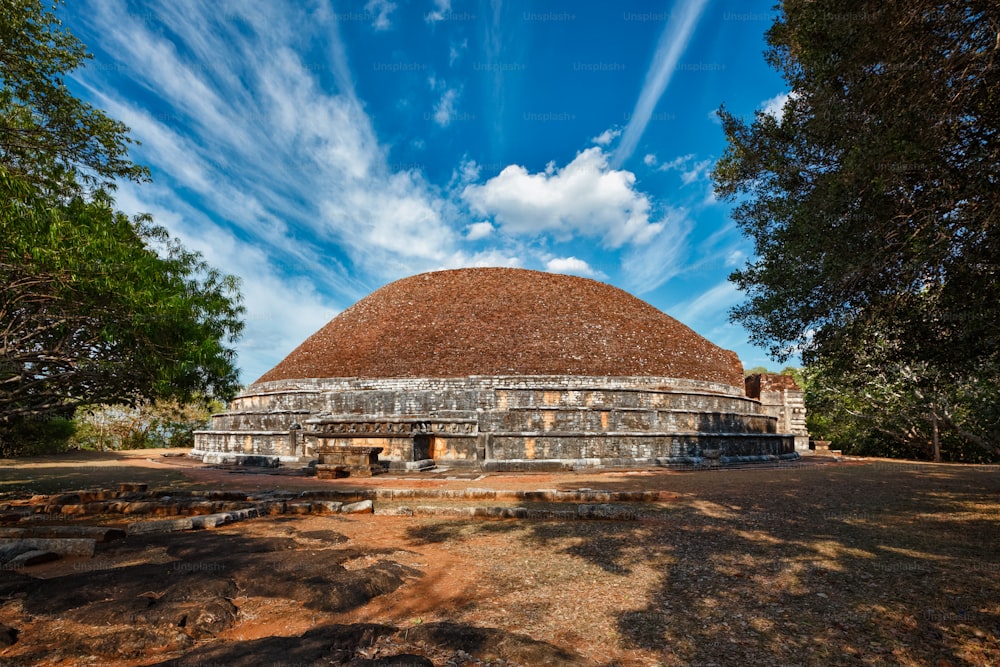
x,y
781,397
483,419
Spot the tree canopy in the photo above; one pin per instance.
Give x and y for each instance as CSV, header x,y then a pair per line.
x,y
874,205
48,136
95,307
98,308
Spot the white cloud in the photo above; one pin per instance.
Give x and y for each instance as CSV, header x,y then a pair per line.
x,y
274,171
570,265
442,7
380,10
698,171
673,42
445,109
455,51
682,163
478,230
294,171
490,258
586,197
606,137
716,300
468,172
648,266
775,106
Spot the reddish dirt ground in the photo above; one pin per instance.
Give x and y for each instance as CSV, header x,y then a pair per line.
x,y
841,563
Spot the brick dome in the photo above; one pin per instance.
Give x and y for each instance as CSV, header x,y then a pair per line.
x,y
495,321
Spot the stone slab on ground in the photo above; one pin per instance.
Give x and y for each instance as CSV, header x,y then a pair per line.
x,y
99,533
361,507
204,521
161,526
326,507
29,558
61,546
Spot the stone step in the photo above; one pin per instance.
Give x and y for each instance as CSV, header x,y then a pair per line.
x,y
61,546
98,533
599,512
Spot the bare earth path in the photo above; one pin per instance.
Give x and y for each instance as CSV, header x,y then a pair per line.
x,y
824,563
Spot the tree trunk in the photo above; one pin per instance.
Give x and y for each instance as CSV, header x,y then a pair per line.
x,y
936,440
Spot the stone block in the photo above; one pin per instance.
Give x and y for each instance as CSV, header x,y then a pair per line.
x,y
271,507
161,526
360,507
299,508
61,546
140,507
331,471
244,514
29,558
204,521
327,506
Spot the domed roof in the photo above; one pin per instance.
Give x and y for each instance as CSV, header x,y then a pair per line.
x,y
505,322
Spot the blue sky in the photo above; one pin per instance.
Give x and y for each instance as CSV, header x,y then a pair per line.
x,y
320,150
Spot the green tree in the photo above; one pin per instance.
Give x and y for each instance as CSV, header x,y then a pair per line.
x,y
98,308
165,423
874,205
47,136
95,308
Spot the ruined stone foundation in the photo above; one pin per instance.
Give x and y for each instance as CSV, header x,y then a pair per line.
x,y
501,369
499,422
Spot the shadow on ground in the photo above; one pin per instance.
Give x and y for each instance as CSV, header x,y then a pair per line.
x,y
869,564
172,595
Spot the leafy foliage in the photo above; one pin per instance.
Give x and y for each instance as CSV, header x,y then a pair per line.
x,y
93,314
148,424
37,436
95,308
893,411
47,136
874,205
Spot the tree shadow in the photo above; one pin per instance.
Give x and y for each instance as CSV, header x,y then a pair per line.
x,y
805,564
21,480
122,603
345,644
847,566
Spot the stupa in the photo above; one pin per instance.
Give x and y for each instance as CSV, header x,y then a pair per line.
x,y
502,369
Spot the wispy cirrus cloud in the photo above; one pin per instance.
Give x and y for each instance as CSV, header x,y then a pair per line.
x,y
270,156
690,170
673,42
444,112
303,173
717,299
440,11
647,266
380,11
